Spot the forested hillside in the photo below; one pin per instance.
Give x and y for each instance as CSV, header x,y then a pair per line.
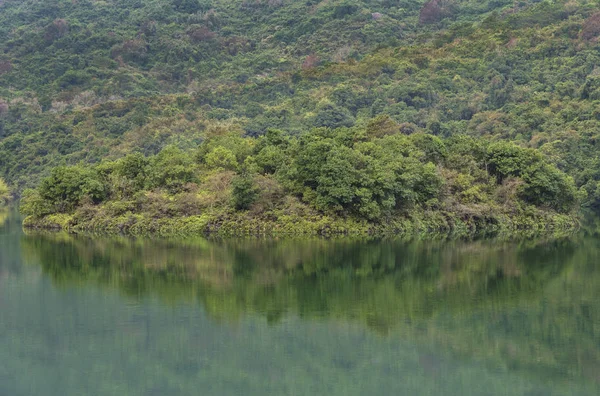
x,y
131,48
92,81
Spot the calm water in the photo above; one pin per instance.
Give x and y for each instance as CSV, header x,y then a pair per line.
x,y
81,316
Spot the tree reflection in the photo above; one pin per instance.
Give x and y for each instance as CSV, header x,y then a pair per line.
x,y
495,300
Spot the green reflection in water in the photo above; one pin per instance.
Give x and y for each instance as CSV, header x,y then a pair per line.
x,y
3,216
125,316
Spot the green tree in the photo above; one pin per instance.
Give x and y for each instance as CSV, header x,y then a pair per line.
x,y
4,192
171,169
129,174
547,186
68,185
507,159
332,116
270,159
337,180
221,158
133,166
433,148
244,192
32,204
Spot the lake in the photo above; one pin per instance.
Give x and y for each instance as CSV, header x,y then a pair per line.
x,y
118,316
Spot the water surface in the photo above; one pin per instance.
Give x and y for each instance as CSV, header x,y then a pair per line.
x,y
99,316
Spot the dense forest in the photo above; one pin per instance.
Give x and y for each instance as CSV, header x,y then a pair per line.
x,y
324,181
454,113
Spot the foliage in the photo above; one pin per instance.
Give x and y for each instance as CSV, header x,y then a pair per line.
x,y
171,169
95,81
432,11
331,116
66,187
343,175
5,194
244,192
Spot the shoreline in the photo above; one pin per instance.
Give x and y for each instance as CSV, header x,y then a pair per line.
x,y
424,225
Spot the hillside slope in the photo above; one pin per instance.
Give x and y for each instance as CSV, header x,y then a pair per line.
x,y
94,81
132,48
83,80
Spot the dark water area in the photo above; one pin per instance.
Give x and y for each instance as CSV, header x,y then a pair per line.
x,y
116,316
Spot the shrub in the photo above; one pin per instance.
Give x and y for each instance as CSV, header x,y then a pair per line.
x,y
171,169
32,204
244,192
4,192
67,185
221,158
332,116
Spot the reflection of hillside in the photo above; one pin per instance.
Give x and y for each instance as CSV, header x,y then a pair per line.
x,y
3,216
499,301
327,277
9,242
336,278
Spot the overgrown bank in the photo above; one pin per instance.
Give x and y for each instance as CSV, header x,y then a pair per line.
x,y
373,179
86,81
5,193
